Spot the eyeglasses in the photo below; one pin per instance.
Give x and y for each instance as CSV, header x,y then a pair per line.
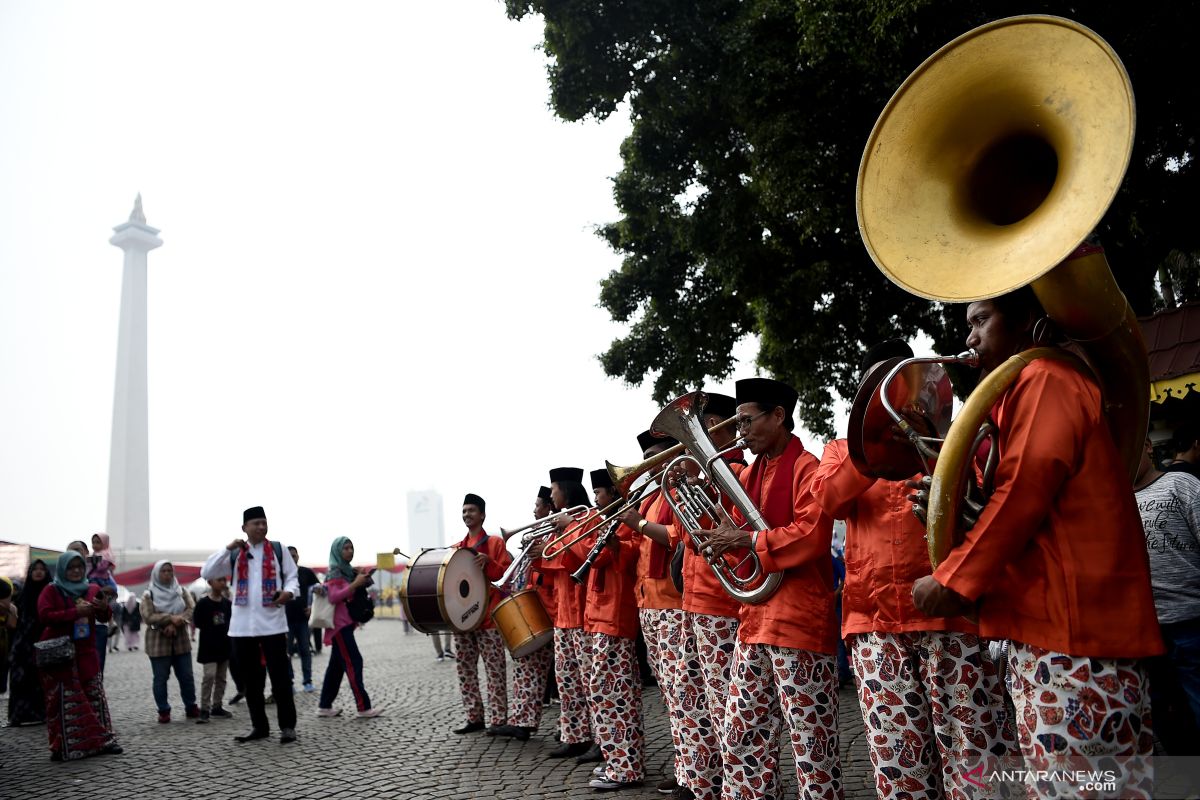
x,y
743,423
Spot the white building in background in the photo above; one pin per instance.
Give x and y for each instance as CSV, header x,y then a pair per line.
x,y
426,527
129,463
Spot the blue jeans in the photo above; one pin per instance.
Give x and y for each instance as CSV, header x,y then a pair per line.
x,y
162,666
298,642
1175,689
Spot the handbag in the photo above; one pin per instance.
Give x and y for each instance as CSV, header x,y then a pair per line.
x,y
54,652
360,606
321,615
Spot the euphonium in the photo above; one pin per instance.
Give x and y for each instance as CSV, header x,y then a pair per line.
x,y
986,171
691,502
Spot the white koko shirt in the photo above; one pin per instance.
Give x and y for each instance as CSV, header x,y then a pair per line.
x,y
255,619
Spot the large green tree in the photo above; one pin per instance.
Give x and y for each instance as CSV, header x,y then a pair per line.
x,y
737,190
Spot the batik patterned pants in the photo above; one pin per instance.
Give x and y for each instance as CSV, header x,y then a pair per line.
x,y
932,704
616,691
705,655
1080,713
572,672
490,645
766,680
662,629
529,686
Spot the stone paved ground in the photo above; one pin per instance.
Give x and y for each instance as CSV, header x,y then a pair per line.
x,y
407,753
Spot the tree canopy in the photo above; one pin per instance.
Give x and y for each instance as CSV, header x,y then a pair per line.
x,y
736,194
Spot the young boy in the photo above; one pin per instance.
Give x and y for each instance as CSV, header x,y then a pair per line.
x,y
212,620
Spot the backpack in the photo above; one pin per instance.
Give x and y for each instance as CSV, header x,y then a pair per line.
x,y
361,609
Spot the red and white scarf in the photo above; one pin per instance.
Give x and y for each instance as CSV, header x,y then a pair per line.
x,y
269,583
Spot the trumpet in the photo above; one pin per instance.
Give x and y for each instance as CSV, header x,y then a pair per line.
x,y
540,527
581,528
693,502
644,491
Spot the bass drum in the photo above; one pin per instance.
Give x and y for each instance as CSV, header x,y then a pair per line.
x,y
523,622
445,590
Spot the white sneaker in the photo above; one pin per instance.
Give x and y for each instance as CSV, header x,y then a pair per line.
x,y
370,713
328,712
600,770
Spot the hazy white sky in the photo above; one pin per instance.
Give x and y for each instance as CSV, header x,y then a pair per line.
x,y
379,271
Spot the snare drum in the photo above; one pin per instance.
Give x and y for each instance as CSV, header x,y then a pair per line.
x,y
524,623
445,590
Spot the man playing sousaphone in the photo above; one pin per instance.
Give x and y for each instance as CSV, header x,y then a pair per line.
x,y
493,558
784,660
1058,564
926,687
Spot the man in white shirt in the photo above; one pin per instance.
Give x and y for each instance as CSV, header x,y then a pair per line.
x,y
263,577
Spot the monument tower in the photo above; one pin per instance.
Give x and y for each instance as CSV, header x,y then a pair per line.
x,y
129,462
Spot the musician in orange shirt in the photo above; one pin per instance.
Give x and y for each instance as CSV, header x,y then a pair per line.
x,y
610,620
572,649
1057,561
925,685
532,671
708,639
660,606
493,558
786,645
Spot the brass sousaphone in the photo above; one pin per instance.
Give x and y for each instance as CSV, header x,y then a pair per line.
x,y
987,170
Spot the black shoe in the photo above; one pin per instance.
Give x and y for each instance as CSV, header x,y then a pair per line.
x,y
568,750
683,793
203,719
220,713
590,755
514,731
523,734
56,756
605,785
237,698
112,749
253,735
667,787
470,727
287,735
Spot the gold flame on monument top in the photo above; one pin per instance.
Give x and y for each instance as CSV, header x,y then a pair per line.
x,y
996,158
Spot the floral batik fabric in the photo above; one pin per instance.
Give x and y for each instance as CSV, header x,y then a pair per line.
x,y
933,707
705,656
765,682
1079,714
530,674
662,629
572,672
617,706
469,647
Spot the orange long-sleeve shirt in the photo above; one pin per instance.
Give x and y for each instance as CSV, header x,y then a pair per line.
x,y
498,560
800,615
611,607
1058,555
651,591
569,596
885,548
702,592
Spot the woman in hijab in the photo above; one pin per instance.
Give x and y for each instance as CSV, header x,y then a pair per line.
x,y
340,584
26,703
167,611
77,720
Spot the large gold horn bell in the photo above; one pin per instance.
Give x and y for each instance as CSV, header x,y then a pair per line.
x,y
995,158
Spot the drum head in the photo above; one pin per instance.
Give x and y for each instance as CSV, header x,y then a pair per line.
x,y
464,591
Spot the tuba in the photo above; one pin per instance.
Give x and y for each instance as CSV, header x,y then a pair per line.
x,y
987,170
692,502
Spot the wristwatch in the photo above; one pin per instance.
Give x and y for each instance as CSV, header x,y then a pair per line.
x,y
642,525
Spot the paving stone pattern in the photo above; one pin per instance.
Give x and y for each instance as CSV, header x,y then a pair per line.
x,y
408,752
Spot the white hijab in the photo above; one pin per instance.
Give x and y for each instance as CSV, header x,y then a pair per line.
x,y
167,597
